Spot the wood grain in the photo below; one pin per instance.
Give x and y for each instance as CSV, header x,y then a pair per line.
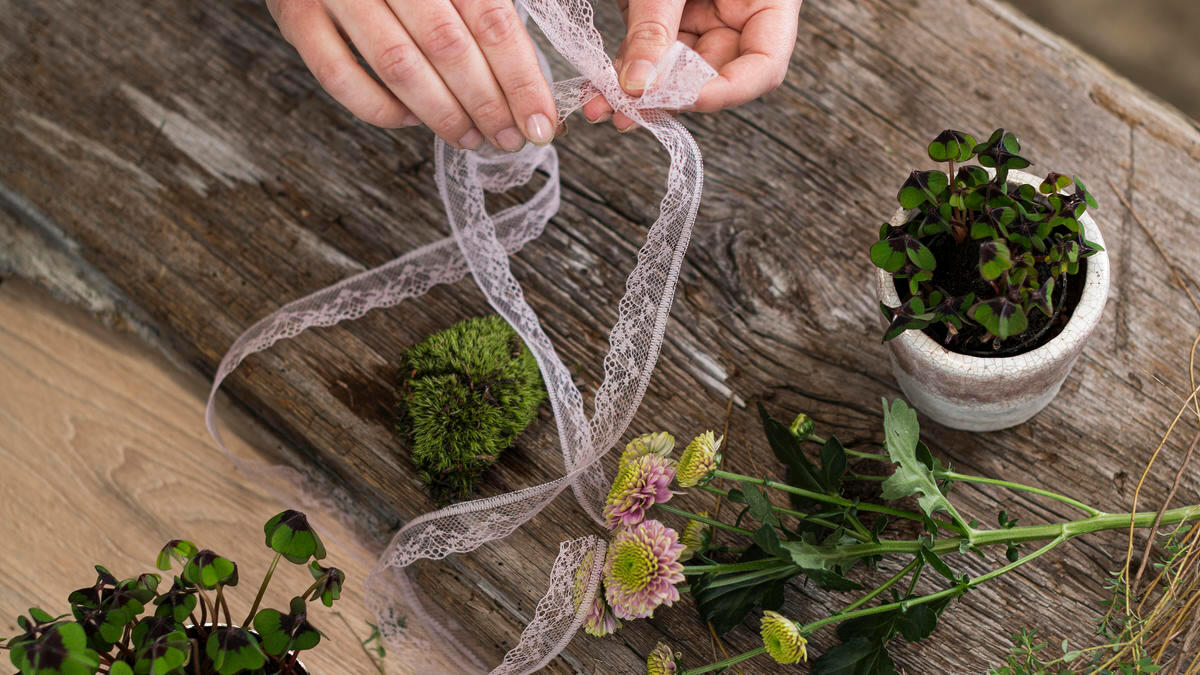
x,y
105,458
191,159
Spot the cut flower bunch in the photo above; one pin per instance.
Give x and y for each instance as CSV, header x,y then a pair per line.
x,y
823,535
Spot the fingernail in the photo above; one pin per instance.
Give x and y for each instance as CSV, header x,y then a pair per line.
x,y
631,127
604,117
510,140
471,140
539,129
411,121
637,75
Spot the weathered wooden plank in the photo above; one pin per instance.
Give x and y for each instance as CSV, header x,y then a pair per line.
x,y
195,163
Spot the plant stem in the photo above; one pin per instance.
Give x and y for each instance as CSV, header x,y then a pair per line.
x,y
1020,487
795,514
709,521
830,499
809,628
882,587
782,569
731,567
223,604
720,665
1024,533
262,588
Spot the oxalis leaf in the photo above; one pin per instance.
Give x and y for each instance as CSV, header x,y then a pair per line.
x,y
912,476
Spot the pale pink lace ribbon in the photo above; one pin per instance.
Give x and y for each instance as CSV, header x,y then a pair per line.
x,y
481,244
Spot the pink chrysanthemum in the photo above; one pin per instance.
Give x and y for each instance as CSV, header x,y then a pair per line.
x,y
642,569
640,483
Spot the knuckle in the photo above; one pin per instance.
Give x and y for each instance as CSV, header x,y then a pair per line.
x,y
525,90
497,25
446,41
333,74
492,114
650,33
398,63
382,114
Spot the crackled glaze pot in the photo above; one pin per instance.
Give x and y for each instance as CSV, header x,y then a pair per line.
x,y
984,394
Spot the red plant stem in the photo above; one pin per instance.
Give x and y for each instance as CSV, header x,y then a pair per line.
x,y
262,588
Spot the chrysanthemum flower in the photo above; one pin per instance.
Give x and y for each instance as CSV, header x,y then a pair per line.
x,y
657,443
694,537
600,620
782,639
661,661
699,460
642,569
640,484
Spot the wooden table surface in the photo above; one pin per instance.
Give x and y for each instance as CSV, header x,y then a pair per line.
x,y
183,152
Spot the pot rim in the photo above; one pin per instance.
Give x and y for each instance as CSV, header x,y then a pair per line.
x,y
1084,318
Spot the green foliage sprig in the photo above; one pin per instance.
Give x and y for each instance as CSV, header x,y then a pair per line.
x,y
1018,243
471,390
132,627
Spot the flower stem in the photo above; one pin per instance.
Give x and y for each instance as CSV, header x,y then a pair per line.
x,y
709,521
731,567
262,588
1020,487
882,587
829,499
721,665
795,514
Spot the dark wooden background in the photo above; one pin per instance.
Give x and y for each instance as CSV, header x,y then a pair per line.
x,y
186,154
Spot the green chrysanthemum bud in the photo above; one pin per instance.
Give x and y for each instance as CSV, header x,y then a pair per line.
x,y
661,661
802,427
658,443
782,639
698,460
694,537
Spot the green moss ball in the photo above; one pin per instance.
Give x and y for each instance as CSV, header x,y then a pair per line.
x,y
472,389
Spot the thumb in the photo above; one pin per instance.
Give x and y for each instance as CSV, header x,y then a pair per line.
x,y
653,27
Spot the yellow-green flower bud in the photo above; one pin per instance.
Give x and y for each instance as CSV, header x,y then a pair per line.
x,y
698,460
782,639
658,443
694,537
802,427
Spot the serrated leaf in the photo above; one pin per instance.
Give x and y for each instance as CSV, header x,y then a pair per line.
x,y
760,506
911,476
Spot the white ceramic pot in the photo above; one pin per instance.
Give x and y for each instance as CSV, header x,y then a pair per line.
x,y
984,394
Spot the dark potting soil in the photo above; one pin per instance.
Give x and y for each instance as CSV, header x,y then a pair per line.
x,y
958,274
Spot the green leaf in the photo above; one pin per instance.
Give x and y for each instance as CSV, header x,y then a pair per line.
x,y
801,472
760,506
177,549
289,534
951,145
233,650
1000,316
727,606
833,464
120,668
208,570
912,476
860,656
886,255
994,259
327,583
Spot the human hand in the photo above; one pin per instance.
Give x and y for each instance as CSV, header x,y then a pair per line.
x,y
748,42
465,68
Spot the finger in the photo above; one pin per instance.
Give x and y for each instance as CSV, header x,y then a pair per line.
x,y
449,47
397,60
311,30
509,53
765,48
653,25
597,110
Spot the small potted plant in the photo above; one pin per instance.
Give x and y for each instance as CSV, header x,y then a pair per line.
x,y
136,627
990,280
